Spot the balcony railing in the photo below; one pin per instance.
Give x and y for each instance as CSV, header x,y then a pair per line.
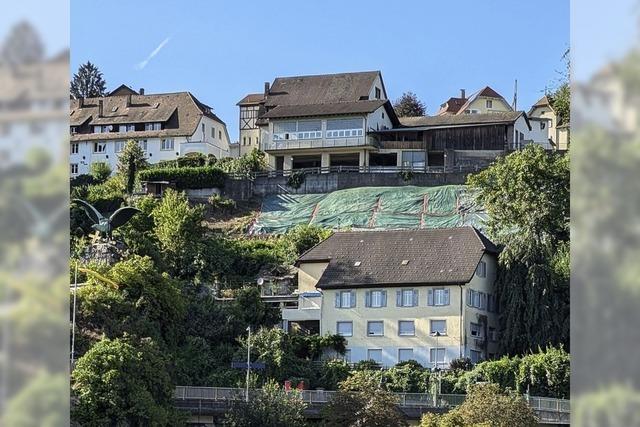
x,y
297,144
368,169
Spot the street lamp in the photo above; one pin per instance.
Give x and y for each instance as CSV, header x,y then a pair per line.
x,y
437,334
246,395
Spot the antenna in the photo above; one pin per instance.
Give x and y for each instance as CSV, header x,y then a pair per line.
x,y
515,96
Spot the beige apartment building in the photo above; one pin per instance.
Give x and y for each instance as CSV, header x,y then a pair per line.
x,y
426,295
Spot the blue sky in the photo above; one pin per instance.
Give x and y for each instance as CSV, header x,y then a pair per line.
x,y
221,51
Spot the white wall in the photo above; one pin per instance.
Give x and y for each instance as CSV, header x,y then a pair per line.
x,y
378,120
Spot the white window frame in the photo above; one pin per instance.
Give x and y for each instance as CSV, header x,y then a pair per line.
x,y
431,329
437,351
347,355
72,167
403,299
345,299
479,331
439,297
370,350
344,322
404,359
128,128
376,299
119,146
376,322
97,145
143,144
75,148
481,269
401,334
345,133
164,146
489,103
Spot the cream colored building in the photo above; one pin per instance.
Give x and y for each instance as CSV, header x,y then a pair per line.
x,y
390,292
250,107
558,133
486,100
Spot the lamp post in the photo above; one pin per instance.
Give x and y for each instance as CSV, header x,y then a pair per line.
x,y
435,364
246,396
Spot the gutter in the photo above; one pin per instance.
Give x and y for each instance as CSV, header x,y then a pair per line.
x,y
461,321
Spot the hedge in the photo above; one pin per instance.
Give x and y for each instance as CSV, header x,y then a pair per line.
x,y
188,177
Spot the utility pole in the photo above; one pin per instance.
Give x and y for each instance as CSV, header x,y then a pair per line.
x,y
246,396
515,96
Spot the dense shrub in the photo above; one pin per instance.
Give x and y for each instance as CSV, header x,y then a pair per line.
x,y
407,377
100,171
545,373
188,177
220,204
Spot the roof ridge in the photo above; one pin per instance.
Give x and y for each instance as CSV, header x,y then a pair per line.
x,y
329,74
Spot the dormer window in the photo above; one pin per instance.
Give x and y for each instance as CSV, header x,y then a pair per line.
x,y
378,93
489,103
127,128
152,126
102,129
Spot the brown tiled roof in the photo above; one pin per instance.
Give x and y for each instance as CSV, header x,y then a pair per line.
x,y
284,111
181,107
397,258
461,120
321,89
252,98
452,105
485,91
542,102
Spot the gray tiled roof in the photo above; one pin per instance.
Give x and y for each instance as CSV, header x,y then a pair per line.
x,y
432,257
339,108
321,89
463,119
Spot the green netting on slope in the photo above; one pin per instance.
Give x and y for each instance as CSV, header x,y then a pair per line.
x,y
371,207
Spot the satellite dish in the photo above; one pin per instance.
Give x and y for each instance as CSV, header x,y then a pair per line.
x,y
260,281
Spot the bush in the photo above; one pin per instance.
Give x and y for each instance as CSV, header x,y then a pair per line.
x,y
250,162
296,179
100,171
545,374
407,377
188,177
218,203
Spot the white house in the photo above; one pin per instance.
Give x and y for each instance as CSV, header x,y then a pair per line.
x,y
166,125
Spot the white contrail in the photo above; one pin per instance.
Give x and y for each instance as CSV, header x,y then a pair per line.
x,y
141,65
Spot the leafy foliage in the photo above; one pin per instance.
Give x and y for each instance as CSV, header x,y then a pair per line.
x,y
187,177
485,405
100,171
88,82
130,161
407,377
272,406
408,105
253,161
220,204
123,382
296,179
526,195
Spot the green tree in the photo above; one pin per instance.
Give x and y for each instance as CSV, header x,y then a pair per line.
x,y
22,46
130,161
40,403
407,377
363,403
88,82
560,97
486,405
271,407
100,171
408,105
123,382
526,196
302,238
178,228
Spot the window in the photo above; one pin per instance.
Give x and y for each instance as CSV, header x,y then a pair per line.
x,y
102,129
131,128
152,126
249,140
481,269
492,303
203,129
543,125
345,329
406,328
375,354
437,356
75,148
439,326
375,299
489,103
244,140
521,136
476,299
405,354
74,129
213,133
143,144
438,297
476,330
345,299
375,328
493,335
383,114
219,134
166,144
74,168
304,129
413,159
378,92
119,146
407,298
345,128
99,147
476,356
347,355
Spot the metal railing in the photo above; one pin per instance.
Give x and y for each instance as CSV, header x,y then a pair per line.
x,y
294,144
367,169
406,400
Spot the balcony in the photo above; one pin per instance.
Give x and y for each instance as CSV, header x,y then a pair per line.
x,y
308,308
204,147
303,144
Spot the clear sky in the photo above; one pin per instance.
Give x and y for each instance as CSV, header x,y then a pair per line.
x,y
221,51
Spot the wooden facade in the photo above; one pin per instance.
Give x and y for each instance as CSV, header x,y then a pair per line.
x,y
481,138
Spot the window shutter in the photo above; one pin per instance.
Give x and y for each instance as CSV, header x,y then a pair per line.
x,y
430,297
337,299
384,298
415,298
398,298
367,299
446,297
353,299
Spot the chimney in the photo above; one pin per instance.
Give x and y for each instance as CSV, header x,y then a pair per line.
x,y
462,94
266,89
81,102
141,91
100,107
128,100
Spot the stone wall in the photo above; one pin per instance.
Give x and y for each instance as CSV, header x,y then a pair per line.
x,y
328,182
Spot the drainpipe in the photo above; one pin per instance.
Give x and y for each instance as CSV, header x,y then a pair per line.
x,y
461,321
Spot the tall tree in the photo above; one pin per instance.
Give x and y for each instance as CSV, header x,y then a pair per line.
x,y
88,82
22,46
408,105
560,97
526,195
130,161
